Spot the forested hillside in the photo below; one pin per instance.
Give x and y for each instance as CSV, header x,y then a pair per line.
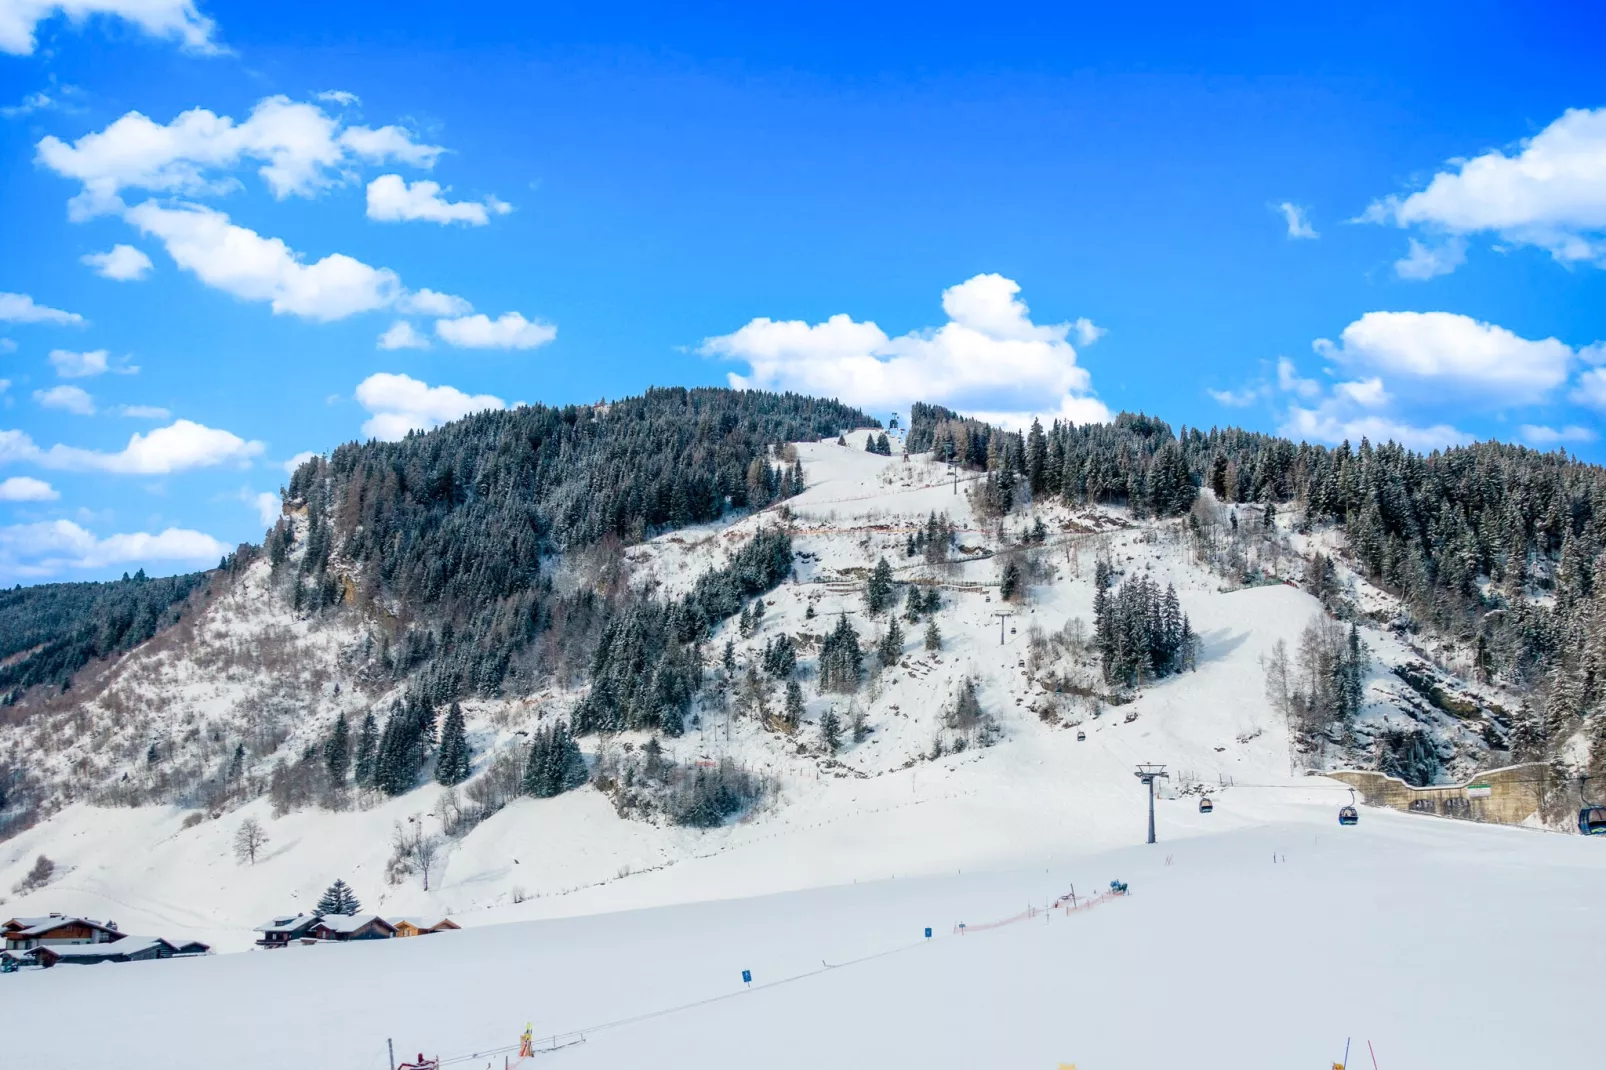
x,y
443,534
49,632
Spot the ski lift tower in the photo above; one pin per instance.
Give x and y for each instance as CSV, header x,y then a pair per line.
x,y
1149,774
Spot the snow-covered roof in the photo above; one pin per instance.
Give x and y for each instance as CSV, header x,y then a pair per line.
x,y
56,921
430,921
126,947
350,923
287,923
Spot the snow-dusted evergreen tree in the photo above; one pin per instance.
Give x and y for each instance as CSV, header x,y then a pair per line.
x,y
338,898
367,747
841,660
878,590
779,657
831,730
933,638
555,764
337,751
890,649
793,713
452,761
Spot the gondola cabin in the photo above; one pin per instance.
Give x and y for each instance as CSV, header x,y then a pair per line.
x,y
1348,815
1081,736
1205,805
1592,821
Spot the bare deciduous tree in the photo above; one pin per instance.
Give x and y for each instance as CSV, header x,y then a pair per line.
x,y
249,839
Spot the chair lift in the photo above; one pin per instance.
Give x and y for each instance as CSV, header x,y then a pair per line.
x,y
1205,805
1348,815
1591,818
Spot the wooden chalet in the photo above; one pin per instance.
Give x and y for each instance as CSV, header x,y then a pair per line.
x,y
53,930
286,929
343,927
131,949
422,926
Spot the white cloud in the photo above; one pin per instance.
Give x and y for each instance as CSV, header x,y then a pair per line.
x,y
1422,262
1236,399
1594,353
1326,424
31,103
180,446
1440,351
431,303
71,365
1368,393
143,412
298,460
1298,222
66,398
402,335
301,150
508,331
989,357
176,20
121,262
46,548
398,404
1288,380
1087,332
244,263
268,507
392,200
340,97
1539,435
1550,194
7,345
27,489
20,308
1591,389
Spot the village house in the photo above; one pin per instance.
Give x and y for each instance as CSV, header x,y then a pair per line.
x,y
21,934
285,930
422,926
131,949
342,927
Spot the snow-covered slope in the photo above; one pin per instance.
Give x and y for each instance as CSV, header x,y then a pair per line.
x,y
882,808
1257,948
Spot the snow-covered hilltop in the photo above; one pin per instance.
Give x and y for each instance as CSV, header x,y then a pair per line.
x,y
987,734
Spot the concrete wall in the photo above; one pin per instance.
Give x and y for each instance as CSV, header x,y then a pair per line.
x,y
1515,794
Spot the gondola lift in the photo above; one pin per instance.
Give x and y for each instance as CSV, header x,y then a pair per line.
x,y
1348,815
1591,818
1205,805
1080,735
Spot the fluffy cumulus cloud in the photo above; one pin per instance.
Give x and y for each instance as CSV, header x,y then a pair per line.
x,y
73,365
392,199
299,149
508,331
1424,261
402,335
26,489
298,460
66,398
1549,192
1442,352
398,404
121,262
1297,220
1591,389
180,446
51,547
20,308
1331,423
242,262
174,20
1540,435
267,505
431,303
988,358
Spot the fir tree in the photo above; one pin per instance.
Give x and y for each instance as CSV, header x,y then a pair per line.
x,y
878,591
831,730
337,751
841,660
890,648
452,763
1009,585
237,763
555,764
933,636
794,705
367,744
338,898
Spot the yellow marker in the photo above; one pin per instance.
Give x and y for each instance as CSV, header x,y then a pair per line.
x,y
1067,1066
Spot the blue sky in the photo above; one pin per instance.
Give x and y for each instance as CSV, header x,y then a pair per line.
x,y
243,232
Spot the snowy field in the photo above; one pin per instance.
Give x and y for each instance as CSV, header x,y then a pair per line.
x,y
1443,944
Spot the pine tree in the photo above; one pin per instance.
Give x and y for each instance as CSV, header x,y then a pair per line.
x,y
1010,584
367,744
337,751
338,898
841,660
794,705
914,604
452,763
878,591
237,763
890,648
831,730
555,764
933,636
